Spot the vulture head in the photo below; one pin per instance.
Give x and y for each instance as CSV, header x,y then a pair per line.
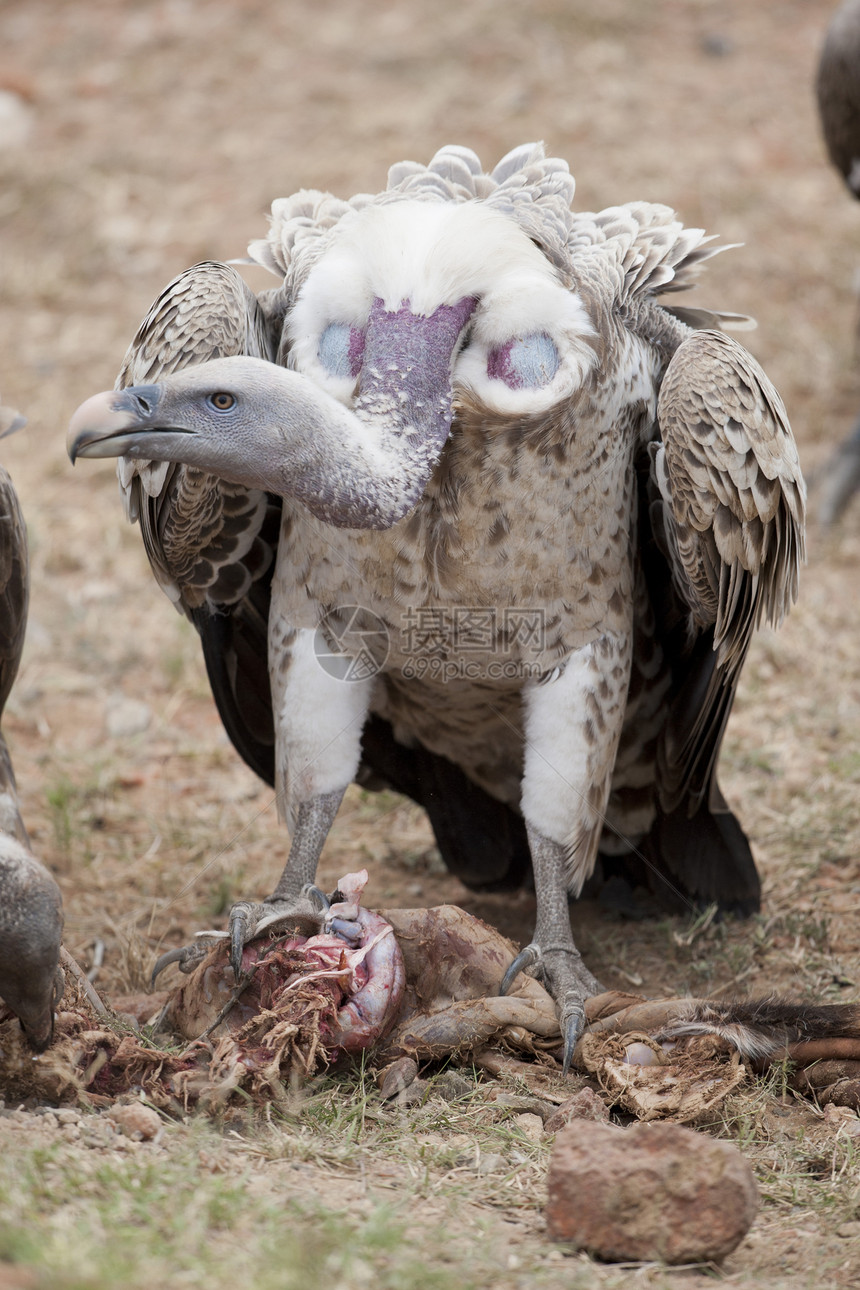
x,y
407,304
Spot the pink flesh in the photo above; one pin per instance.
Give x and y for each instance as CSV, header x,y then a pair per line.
x,y
371,974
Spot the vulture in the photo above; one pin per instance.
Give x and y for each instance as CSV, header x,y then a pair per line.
x,y
461,508
31,906
838,90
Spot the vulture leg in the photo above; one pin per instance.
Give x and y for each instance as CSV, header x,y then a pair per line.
x,y
317,754
295,893
552,950
571,741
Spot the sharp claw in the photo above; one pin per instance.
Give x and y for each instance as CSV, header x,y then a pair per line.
x,y
573,1028
528,957
240,919
319,898
187,956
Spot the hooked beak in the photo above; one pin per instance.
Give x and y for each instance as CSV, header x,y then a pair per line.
x,y
105,425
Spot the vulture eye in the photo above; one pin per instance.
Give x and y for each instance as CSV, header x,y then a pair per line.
x,y
341,350
222,401
525,362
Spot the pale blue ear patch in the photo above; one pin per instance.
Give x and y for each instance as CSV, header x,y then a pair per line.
x,y
525,362
341,350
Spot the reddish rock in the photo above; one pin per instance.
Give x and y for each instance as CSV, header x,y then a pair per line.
x,y
584,1105
136,1120
653,1191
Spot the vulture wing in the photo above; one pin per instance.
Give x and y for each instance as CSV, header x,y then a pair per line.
x,y
210,543
728,512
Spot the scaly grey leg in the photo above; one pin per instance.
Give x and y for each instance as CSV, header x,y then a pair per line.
x,y
552,947
294,894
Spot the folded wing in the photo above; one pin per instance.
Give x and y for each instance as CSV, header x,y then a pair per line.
x,y
728,511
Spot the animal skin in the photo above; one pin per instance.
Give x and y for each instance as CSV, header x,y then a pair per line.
x,y
462,483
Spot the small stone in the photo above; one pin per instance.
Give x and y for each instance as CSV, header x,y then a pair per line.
x,y
125,717
70,1132
65,1115
450,1086
848,1231
100,1133
524,1102
650,1192
413,1095
491,1163
16,120
397,1076
137,1121
584,1105
530,1125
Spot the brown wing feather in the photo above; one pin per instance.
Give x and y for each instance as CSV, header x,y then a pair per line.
x,y
731,512
210,543
201,534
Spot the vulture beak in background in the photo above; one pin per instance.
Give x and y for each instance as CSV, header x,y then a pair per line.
x,y
10,421
35,1009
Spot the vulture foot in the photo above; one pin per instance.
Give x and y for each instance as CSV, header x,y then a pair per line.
x,y
249,919
552,951
567,979
186,956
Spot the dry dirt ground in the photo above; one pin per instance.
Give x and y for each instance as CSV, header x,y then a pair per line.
x,y
138,138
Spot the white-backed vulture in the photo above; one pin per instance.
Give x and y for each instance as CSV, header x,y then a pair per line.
x,y
838,90
537,512
31,906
